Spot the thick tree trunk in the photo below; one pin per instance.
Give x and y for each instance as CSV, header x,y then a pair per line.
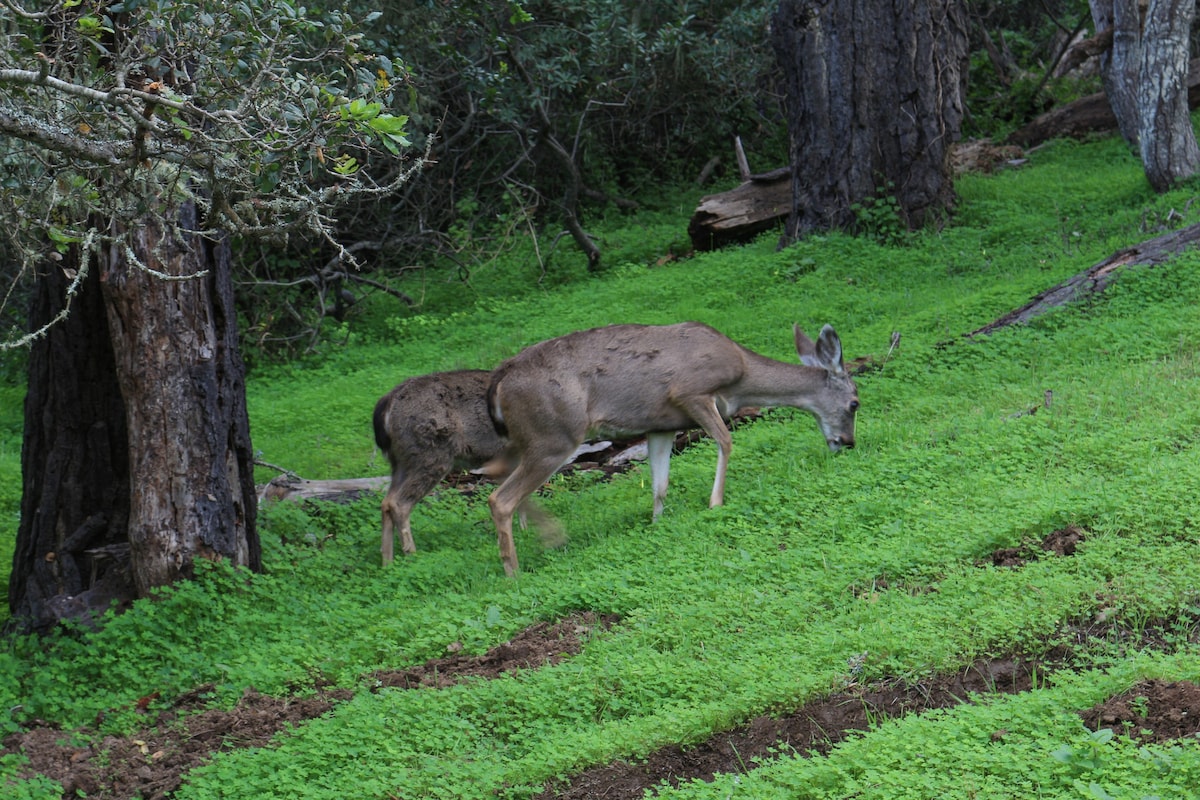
x,y
71,558
183,382
1120,66
1167,140
1145,77
875,96
137,456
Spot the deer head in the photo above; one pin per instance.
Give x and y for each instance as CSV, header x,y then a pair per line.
x,y
835,408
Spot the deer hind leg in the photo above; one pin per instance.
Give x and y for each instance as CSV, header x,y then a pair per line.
x,y
408,487
658,453
512,494
387,542
391,516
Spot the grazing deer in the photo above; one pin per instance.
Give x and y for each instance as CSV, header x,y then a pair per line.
x,y
632,379
428,426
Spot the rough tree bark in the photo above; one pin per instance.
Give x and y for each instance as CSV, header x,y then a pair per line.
x,y
1167,140
1120,64
875,96
182,380
137,456
1145,78
71,554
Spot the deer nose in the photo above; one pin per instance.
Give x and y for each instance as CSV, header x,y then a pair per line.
x,y
841,442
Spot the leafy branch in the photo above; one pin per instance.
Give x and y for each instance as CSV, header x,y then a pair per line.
x,y
266,115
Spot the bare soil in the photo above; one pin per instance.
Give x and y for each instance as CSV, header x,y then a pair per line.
x,y
153,762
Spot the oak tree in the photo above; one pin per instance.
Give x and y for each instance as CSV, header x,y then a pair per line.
x,y
136,138
1145,77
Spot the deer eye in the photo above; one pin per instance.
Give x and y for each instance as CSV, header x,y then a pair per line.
x,y
854,405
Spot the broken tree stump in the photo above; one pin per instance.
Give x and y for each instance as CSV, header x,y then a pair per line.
x,y
738,215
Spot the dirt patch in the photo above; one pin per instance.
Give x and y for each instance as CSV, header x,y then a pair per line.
x,y
814,728
1061,542
1151,711
151,763
540,645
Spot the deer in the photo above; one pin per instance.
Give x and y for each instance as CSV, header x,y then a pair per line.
x,y
629,380
429,425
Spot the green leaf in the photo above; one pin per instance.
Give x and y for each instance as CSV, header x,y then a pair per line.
x,y
345,165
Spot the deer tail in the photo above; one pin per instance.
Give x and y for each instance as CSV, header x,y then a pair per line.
x,y
493,404
382,440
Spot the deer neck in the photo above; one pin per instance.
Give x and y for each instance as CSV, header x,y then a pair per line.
x,y
767,382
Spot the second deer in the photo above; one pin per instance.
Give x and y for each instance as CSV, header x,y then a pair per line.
x,y
428,426
623,380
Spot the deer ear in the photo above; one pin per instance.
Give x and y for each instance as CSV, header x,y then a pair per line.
x,y
805,348
826,352
829,350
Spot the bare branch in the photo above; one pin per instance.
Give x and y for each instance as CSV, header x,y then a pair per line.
x,y
35,15
131,256
62,140
77,280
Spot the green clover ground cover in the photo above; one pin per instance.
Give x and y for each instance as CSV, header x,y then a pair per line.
x,y
876,561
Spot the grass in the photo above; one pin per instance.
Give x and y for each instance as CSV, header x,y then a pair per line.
x,y
760,605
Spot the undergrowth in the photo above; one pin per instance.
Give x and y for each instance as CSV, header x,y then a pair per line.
x,y
818,571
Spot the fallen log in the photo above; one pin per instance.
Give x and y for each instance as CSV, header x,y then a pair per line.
x,y
763,201
1097,277
1087,115
758,204
293,487
608,457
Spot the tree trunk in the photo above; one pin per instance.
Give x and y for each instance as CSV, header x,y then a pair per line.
x,y
1145,78
183,382
1120,66
875,96
74,465
1167,139
137,456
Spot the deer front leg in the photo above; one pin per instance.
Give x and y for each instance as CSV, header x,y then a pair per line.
x,y
704,412
658,453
